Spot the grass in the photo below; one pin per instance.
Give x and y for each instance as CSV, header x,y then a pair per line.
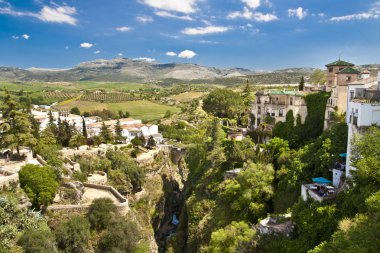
x,y
144,110
187,96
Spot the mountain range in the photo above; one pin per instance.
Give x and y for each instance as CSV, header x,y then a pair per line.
x,y
127,70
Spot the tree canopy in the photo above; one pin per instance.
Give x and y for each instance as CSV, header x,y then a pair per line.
x,y
223,103
39,183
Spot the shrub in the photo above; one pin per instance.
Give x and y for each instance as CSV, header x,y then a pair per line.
x,y
101,212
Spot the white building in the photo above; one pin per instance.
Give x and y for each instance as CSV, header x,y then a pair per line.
x,y
132,128
363,111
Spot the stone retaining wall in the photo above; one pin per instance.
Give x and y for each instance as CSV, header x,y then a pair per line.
x,y
102,178
8,179
121,208
41,160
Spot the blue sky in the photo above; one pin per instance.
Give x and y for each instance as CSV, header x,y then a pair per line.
x,y
254,34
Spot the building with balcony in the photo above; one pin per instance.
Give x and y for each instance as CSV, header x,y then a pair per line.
x,y
363,111
338,75
276,104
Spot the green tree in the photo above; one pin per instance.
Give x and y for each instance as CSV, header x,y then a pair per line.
x,y
77,140
48,148
84,129
250,191
301,86
151,142
105,134
15,221
118,132
168,114
39,183
223,103
120,236
101,212
359,234
75,110
16,130
247,95
73,235
120,161
236,237
216,154
366,159
318,77
38,241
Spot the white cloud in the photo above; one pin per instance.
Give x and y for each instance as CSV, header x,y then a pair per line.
x,y
67,47
25,36
123,29
15,37
144,19
208,42
252,3
144,59
187,54
357,16
166,14
120,54
97,52
299,13
260,17
205,30
86,45
57,14
171,53
248,14
321,14
183,6
373,13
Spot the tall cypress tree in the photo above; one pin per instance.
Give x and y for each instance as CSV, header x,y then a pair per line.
x,y
118,132
301,86
84,128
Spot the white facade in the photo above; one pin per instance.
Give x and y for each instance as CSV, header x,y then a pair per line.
x,y
131,127
363,111
277,104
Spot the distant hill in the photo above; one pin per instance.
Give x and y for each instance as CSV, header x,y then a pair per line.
x,y
127,70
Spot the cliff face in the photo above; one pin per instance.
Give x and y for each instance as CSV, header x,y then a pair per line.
x,y
160,200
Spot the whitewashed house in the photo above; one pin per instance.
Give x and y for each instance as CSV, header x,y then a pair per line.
x,y
363,111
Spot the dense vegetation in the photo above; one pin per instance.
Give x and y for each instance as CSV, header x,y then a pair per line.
x,y
220,207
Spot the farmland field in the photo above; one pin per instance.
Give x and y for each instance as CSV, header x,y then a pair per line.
x,y
142,109
187,96
72,86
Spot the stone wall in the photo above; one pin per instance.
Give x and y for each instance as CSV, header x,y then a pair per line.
x,y
100,178
41,160
8,179
122,208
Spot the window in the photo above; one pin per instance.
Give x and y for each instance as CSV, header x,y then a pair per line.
x,y
330,70
291,101
352,94
280,113
273,113
348,78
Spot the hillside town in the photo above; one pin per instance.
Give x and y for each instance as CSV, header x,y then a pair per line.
x,y
89,160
